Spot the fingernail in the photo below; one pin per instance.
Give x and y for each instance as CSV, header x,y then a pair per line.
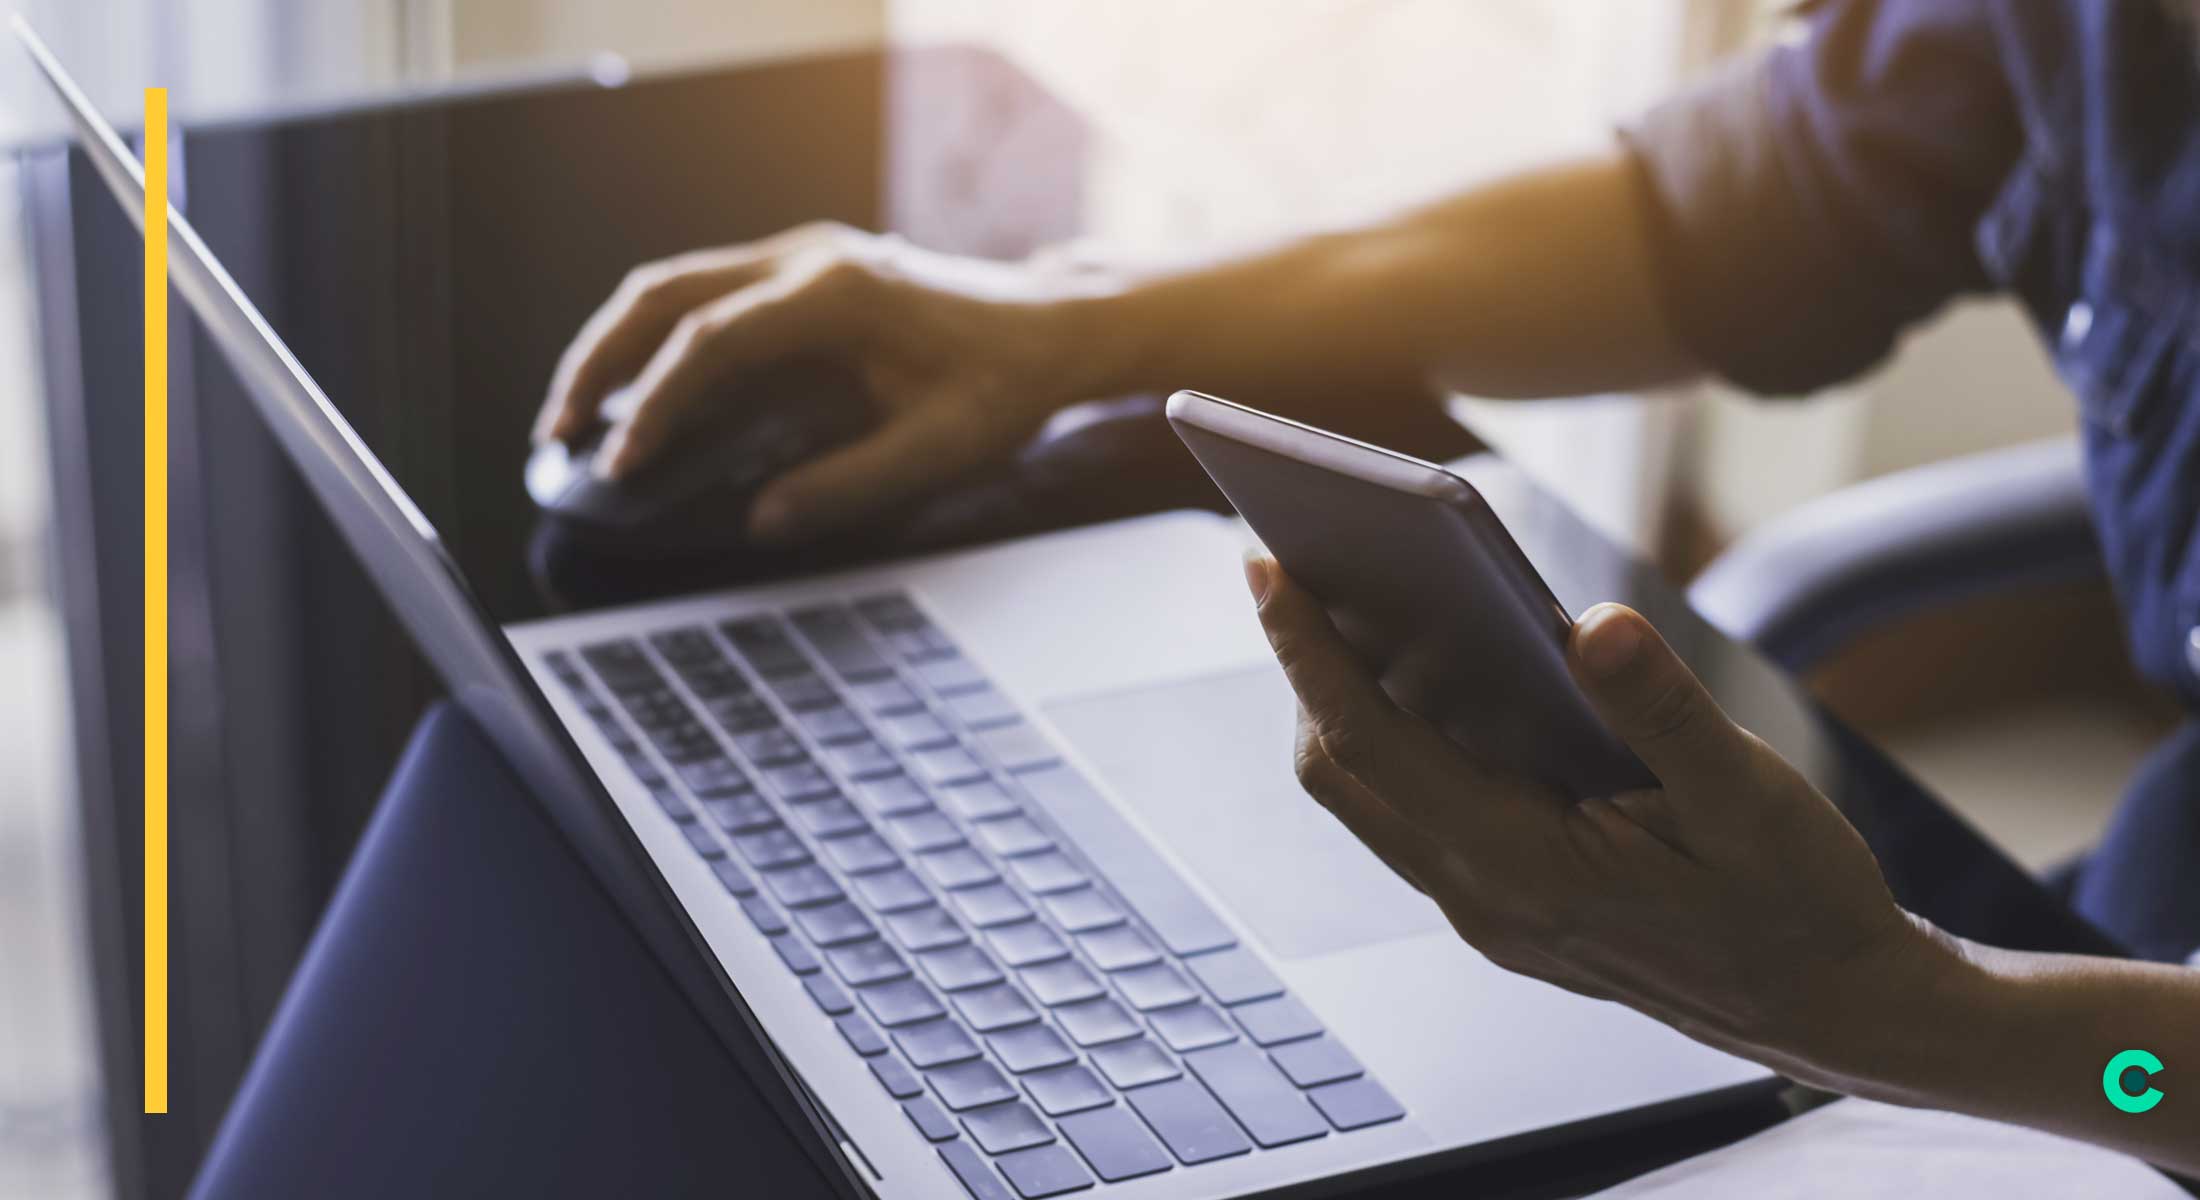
x,y
1607,639
1256,574
772,520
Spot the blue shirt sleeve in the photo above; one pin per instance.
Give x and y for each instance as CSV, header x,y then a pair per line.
x,y
1811,203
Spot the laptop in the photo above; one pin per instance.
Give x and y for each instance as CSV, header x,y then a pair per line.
x,y
991,864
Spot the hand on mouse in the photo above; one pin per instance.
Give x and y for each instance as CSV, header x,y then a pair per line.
x,y
1735,903
965,359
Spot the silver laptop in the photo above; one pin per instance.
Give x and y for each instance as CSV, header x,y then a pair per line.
x,y
994,859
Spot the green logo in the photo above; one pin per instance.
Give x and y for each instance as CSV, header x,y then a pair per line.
x,y
2112,1081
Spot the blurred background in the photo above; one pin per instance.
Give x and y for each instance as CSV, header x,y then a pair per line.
x,y
1207,124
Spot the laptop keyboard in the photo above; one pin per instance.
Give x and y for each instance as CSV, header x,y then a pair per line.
x,y
909,844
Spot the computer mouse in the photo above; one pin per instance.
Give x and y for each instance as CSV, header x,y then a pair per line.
x,y
698,487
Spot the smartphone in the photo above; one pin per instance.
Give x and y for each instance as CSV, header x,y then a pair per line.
x,y
1423,580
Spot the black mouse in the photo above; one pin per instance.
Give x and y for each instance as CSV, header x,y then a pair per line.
x,y
697,489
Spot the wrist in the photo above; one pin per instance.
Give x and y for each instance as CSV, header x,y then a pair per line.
x,y
1899,1020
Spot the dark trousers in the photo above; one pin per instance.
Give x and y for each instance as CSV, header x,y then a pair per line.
x,y
2142,885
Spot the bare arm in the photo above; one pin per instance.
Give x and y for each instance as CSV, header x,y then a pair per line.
x,y
2025,1038
1534,285
1539,284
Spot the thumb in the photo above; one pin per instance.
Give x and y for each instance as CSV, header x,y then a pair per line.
x,y
1650,698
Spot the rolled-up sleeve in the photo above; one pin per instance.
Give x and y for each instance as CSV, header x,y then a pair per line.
x,y
1810,203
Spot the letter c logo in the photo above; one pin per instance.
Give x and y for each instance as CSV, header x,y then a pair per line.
x,y
2112,1081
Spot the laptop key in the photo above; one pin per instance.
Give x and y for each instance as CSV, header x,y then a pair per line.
x,y
1118,948
1314,1061
764,643
1029,1048
740,712
861,759
769,747
949,673
741,812
829,995
1081,910
1135,1063
797,781
930,1119
1191,1027
990,904
1282,1019
733,877
1097,1022
890,891
997,1007
798,956
833,724
762,915
860,853
1018,747
967,1085
1010,837
701,839
925,831
865,963
776,846
900,1002
829,817
1067,1089
892,795
803,691
713,776
1064,981
895,1076
980,800
1355,1103
1000,1128
1256,1093
1190,1121
1148,884
915,730
976,1177
1047,872
958,867
936,1043
1116,1145
882,697
980,707
861,1036
958,968
1025,944
1043,1171
1155,985
927,928
834,924
802,886
943,765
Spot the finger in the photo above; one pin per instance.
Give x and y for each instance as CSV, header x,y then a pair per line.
x,y
618,337
791,313
1650,698
1402,846
1399,759
1346,710
913,452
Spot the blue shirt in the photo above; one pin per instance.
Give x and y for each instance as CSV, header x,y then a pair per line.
x,y
1812,204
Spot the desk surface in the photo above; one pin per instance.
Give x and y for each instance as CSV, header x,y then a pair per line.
x,y
427,262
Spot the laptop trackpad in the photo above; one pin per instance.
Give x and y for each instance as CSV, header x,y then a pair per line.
x,y
1206,763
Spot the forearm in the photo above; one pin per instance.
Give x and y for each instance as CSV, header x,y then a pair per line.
x,y
2024,1038
1535,285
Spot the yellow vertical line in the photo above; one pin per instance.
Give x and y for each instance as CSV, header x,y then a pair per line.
x,y
156,600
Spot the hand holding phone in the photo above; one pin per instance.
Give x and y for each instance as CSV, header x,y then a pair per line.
x,y
1423,581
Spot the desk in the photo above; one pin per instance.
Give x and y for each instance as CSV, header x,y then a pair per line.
x,y
427,259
